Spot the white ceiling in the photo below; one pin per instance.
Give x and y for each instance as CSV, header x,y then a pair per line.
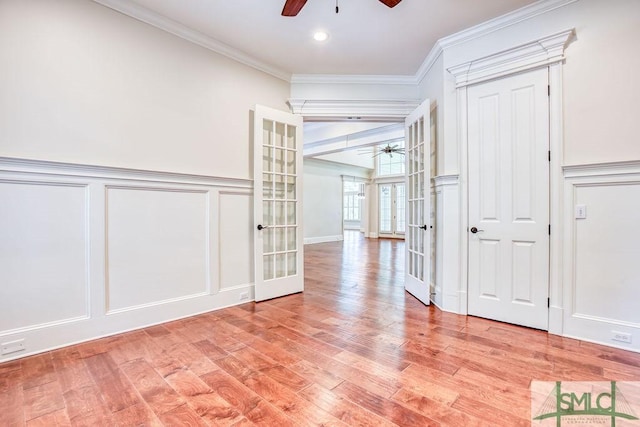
x,y
366,37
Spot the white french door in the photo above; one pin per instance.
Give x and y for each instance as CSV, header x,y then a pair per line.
x,y
277,205
391,206
418,178
508,131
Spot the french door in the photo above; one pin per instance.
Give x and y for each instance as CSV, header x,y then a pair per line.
x,y
392,205
278,239
418,179
508,125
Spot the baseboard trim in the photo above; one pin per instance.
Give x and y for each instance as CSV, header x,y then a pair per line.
x,y
323,239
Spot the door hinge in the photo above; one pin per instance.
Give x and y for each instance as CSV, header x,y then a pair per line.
x,y
549,229
549,155
548,90
548,302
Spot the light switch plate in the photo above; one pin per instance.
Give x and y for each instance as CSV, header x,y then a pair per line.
x,y
581,211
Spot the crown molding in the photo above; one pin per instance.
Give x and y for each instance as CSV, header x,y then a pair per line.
x,y
353,79
537,53
503,21
159,21
428,62
383,110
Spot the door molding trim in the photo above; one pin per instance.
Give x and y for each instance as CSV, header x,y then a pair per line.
x,y
544,52
538,53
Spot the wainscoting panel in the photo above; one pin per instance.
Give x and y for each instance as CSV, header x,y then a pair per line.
x,y
235,230
90,251
43,254
157,245
602,275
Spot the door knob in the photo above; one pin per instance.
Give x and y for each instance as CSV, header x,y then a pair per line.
x,y
262,227
474,230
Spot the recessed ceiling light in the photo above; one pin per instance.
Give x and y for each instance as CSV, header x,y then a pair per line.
x,y
320,36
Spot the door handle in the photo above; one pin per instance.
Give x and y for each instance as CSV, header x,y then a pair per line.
x,y
424,227
474,230
262,227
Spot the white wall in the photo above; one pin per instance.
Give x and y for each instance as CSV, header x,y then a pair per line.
x,y
133,202
81,83
322,199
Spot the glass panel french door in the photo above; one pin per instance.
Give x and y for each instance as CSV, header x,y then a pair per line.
x,y
418,178
277,203
391,202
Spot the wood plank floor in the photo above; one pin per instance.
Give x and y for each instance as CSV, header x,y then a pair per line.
x,y
353,350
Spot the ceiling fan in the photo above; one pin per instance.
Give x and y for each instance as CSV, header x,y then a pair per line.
x,y
292,7
388,149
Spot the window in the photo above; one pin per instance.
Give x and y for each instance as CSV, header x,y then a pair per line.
x,y
390,164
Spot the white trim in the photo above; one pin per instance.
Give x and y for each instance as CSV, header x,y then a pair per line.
x,y
352,79
323,239
9,164
535,54
152,18
442,180
602,169
428,62
383,110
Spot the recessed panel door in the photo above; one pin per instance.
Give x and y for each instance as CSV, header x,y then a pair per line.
x,y
508,232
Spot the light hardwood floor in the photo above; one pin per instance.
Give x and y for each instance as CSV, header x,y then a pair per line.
x,y
354,349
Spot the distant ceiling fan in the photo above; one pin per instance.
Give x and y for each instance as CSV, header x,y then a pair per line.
x,y
292,7
388,149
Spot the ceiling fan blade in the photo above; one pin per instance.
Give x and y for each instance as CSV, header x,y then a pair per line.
x,y
390,3
292,7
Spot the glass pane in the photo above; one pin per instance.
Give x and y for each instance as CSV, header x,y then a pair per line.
x,y
291,162
267,269
267,186
400,208
280,134
291,239
267,213
291,263
267,132
385,209
267,240
291,213
267,159
421,127
279,217
421,182
291,137
281,242
420,268
279,181
279,155
281,265
291,187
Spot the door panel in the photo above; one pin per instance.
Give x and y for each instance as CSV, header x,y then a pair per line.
x,y
509,199
277,203
418,196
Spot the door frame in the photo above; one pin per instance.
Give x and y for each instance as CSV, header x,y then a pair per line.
x,y
546,52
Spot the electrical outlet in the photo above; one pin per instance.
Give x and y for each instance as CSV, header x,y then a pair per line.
x,y
244,296
12,346
621,336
